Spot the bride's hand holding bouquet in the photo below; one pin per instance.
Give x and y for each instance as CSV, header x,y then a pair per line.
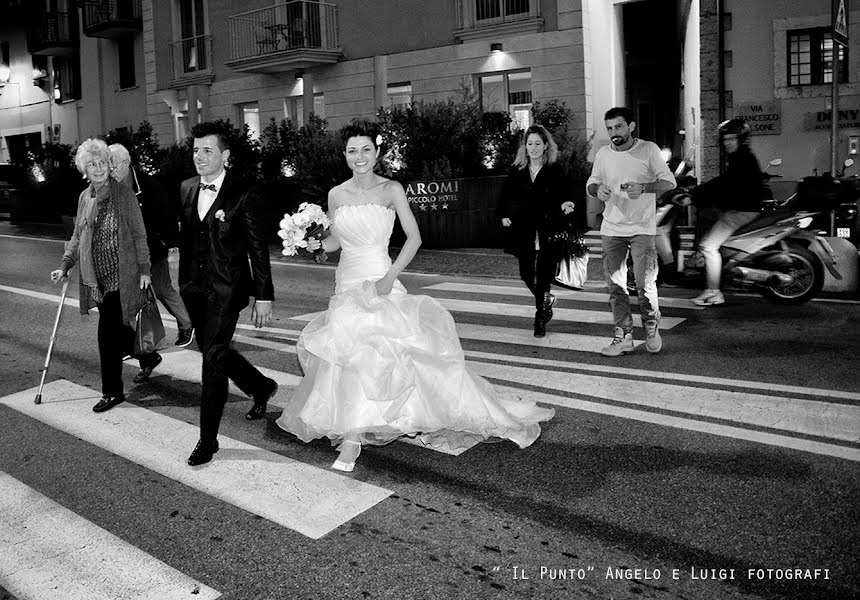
x,y
304,230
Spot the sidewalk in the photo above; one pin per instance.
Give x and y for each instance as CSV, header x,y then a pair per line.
x,y
465,262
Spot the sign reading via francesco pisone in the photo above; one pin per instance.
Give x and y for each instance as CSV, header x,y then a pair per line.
x,y
764,118
430,196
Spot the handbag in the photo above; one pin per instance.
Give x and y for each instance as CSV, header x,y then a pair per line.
x,y
148,328
571,269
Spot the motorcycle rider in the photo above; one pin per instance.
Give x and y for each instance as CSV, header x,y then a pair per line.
x,y
739,192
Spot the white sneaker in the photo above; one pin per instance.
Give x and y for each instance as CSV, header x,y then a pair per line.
x,y
653,341
622,343
709,298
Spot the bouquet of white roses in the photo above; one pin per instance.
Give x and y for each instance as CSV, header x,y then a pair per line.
x,y
309,221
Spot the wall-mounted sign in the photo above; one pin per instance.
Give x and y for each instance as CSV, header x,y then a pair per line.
x,y
433,195
764,118
849,118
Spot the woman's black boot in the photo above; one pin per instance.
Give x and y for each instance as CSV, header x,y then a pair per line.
x,y
540,323
548,303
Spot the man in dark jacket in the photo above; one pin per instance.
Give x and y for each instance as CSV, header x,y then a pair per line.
x,y
162,233
223,262
739,192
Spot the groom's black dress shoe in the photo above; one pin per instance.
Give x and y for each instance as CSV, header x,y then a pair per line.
x,y
258,411
203,453
108,402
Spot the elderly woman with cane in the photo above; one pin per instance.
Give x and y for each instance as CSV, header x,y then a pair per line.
x,y
109,244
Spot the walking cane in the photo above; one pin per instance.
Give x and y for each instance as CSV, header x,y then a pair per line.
x,y
38,399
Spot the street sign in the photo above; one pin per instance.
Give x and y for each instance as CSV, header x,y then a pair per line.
x,y
840,22
764,118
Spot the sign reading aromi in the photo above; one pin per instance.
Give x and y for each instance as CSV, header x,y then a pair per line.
x,y
432,196
764,118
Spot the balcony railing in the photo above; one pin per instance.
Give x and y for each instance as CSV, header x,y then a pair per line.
x,y
111,18
54,34
296,34
191,61
479,18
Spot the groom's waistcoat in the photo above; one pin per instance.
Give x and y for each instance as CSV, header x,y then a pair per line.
x,y
200,249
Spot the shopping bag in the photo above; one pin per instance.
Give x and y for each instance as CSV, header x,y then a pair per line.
x,y
148,328
571,269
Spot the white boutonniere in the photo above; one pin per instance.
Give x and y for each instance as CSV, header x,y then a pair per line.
x,y
221,216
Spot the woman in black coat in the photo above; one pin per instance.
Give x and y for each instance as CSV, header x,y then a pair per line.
x,y
534,202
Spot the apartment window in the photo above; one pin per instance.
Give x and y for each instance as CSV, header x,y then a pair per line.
x,y
192,28
295,109
508,92
500,9
400,95
250,116
125,54
180,125
67,79
810,57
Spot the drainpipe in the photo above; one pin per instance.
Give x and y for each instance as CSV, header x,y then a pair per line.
x,y
721,75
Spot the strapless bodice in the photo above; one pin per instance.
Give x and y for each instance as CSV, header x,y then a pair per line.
x,y
363,231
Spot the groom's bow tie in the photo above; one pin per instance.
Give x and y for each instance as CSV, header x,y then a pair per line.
x,y
208,186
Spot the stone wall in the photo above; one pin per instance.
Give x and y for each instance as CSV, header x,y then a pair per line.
x,y
709,100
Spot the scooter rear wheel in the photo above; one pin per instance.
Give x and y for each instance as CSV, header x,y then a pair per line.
x,y
808,273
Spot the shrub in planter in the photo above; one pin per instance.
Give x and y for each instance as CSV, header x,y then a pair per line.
x,y
142,145
572,150
445,139
51,184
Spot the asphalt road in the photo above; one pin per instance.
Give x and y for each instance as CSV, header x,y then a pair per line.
x,y
724,467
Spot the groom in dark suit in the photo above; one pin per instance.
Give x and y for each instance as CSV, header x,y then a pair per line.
x,y
224,259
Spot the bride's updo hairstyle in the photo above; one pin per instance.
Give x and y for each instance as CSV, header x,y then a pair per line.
x,y
362,127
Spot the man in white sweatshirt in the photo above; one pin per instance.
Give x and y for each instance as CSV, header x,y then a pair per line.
x,y
628,176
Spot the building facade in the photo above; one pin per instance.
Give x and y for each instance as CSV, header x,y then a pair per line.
x,y
770,62
111,64
77,68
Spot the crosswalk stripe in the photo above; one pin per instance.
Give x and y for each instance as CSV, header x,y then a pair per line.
x,y
47,551
571,315
554,339
306,499
185,365
668,377
581,296
838,422
485,333
730,431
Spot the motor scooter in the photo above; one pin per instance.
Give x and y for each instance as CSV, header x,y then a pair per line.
x,y
843,192
776,254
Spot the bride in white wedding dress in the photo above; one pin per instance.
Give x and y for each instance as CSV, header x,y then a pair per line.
x,y
380,363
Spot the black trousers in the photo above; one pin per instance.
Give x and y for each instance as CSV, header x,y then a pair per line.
x,y
214,330
537,270
115,340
